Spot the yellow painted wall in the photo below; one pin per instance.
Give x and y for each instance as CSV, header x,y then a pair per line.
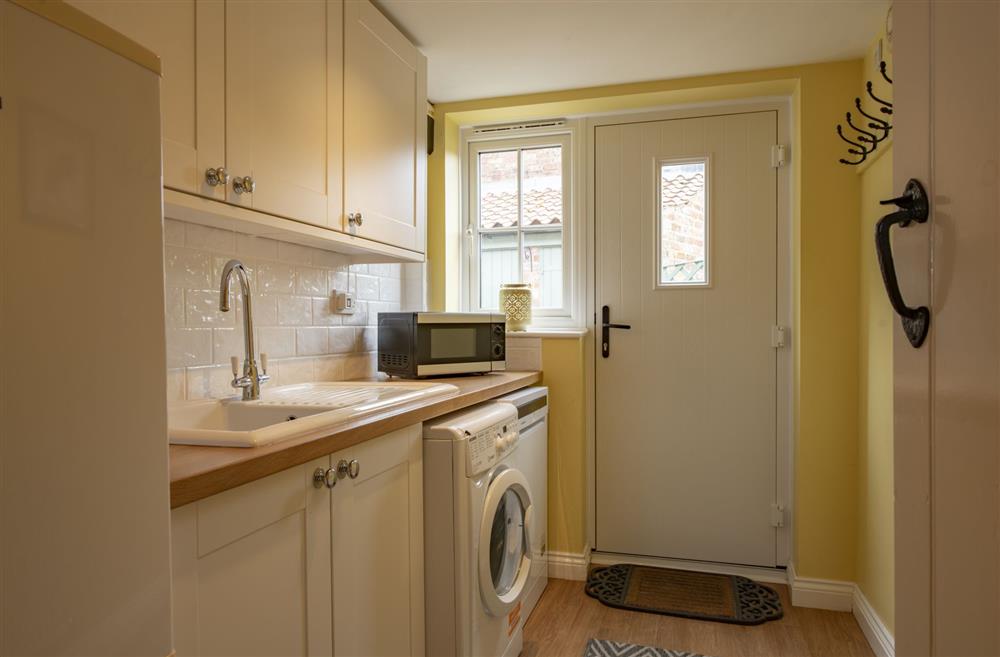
x,y
562,368
825,288
876,541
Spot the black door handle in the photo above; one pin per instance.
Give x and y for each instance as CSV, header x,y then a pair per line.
x,y
913,207
606,327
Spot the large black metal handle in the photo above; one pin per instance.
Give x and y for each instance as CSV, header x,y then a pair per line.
x,y
606,327
913,207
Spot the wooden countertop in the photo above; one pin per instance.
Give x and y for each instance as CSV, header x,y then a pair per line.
x,y
197,472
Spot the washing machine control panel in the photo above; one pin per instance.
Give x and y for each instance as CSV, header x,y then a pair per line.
x,y
489,446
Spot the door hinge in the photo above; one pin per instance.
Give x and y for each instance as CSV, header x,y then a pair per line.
x,y
779,336
777,515
779,154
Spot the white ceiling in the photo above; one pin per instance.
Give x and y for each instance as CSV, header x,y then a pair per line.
x,y
485,48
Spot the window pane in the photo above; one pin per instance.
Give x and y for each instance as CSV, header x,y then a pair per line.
x,y
683,224
542,264
497,265
498,189
541,186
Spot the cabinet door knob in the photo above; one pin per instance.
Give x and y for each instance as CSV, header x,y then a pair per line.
x,y
244,185
354,469
355,219
217,176
324,477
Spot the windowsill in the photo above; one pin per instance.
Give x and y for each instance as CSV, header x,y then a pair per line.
x,y
542,332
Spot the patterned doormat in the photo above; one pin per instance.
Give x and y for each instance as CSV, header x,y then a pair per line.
x,y
685,593
605,648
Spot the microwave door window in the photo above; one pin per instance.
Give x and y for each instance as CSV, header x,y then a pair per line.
x,y
453,343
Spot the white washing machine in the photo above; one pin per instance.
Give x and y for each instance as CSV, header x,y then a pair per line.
x,y
532,458
477,547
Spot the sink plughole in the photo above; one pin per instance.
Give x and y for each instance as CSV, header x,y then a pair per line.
x,y
293,411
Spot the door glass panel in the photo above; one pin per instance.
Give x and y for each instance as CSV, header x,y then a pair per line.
x,y
506,542
683,253
497,264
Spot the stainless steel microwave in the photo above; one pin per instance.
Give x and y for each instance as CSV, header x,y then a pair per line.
x,y
433,344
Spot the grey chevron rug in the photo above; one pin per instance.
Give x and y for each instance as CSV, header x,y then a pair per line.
x,y
605,648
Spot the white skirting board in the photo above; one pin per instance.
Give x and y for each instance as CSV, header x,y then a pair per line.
x,y
879,638
842,596
569,565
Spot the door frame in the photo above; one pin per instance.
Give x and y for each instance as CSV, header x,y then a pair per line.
x,y
784,415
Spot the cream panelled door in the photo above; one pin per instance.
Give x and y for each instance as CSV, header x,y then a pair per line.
x,y
251,569
188,36
385,130
378,547
686,398
284,97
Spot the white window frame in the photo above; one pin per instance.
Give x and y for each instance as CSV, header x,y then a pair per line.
x,y
567,136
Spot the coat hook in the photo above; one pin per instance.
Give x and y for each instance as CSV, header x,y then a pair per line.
x,y
887,106
881,69
865,136
876,122
863,152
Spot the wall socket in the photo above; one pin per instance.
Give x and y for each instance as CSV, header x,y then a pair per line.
x,y
343,302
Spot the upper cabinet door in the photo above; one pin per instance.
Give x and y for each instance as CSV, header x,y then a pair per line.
x,y
385,130
284,97
192,87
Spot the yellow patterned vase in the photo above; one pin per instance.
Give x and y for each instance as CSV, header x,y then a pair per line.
x,y
515,300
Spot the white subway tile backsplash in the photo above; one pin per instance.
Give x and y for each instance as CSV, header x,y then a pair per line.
x,y
187,268
294,311
209,382
323,313
276,342
275,278
174,306
367,287
175,385
359,366
226,343
251,246
209,239
188,347
173,232
390,289
328,368
305,339
342,339
311,341
202,309
339,281
294,370
295,253
313,282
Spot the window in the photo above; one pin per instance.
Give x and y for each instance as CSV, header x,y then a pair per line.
x,y
683,224
518,221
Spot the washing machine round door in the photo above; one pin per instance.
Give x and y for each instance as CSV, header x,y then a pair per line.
x,y
504,544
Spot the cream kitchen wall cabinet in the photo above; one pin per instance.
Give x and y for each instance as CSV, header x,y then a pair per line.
x,y
192,89
284,107
286,565
385,141
316,110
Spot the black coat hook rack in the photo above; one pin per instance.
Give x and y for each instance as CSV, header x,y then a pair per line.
x,y
866,137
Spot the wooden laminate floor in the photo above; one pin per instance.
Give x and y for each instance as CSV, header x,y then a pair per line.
x,y
566,618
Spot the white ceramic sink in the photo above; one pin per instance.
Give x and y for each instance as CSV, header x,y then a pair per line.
x,y
293,411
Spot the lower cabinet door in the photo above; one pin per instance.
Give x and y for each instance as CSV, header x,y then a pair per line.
x,y
251,569
378,547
